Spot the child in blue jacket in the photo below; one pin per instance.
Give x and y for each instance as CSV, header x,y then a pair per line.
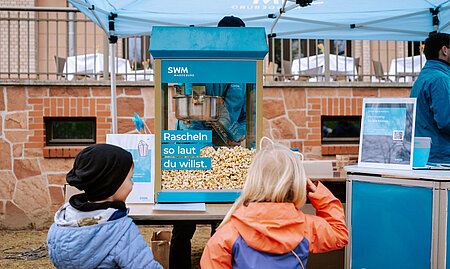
x,y
93,230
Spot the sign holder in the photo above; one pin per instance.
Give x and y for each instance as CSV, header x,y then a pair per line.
x,y
387,133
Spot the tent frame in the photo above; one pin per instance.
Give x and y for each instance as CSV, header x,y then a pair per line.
x,y
110,31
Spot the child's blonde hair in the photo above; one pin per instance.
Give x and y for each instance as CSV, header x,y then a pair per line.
x,y
275,175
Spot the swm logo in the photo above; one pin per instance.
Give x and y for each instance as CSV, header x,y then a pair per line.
x,y
258,4
275,2
177,70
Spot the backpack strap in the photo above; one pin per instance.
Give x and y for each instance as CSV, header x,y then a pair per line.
x,y
226,90
298,258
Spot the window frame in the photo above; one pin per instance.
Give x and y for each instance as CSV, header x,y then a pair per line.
x,y
49,141
338,140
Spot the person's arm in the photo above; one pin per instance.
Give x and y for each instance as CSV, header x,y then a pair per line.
x,y
133,252
440,103
327,230
242,125
233,112
218,250
243,116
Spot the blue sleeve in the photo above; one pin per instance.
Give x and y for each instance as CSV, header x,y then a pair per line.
x,y
133,252
233,111
440,103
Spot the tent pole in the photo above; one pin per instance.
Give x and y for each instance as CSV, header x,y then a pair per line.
x,y
113,89
282,10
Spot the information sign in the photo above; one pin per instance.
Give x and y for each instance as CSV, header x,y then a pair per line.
x,y
387,132
184,143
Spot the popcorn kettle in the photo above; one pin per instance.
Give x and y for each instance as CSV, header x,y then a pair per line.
x,y
196,106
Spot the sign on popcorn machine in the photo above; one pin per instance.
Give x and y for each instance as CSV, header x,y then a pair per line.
x,y
208,110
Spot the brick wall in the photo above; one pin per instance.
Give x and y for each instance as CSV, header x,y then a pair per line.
x,y
33,175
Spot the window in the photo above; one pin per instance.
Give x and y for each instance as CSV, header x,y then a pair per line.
x,y
341,129
67,131
136,49
415,47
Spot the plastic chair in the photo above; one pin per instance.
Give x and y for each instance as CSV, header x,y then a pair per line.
x,y
379,73
360,77
287,70
271,73
60,62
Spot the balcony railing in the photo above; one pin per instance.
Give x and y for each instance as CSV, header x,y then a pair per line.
x,y
62,44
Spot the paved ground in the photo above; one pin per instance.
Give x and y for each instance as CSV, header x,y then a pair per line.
x,y
19,241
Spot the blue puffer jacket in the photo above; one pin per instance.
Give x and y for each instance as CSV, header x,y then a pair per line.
x,y
110,243
432,89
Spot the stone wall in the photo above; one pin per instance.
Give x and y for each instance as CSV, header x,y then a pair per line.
x,y
32,175
292,116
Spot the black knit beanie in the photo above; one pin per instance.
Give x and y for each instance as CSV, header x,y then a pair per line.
x,y
99,170
231,21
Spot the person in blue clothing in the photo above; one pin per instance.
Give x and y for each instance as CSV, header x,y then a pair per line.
x,y
233,119
93,230
432,90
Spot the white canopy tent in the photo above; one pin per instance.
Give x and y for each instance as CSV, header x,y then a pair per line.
x,y
407,20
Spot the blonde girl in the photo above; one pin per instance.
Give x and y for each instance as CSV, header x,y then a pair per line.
x,y
265,227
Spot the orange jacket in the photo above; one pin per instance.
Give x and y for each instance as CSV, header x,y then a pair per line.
x,y
262,233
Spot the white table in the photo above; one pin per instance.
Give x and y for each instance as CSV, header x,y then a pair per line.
x,y
315,65
93,64
403,69
136,75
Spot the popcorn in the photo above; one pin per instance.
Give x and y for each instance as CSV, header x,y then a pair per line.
x,y
228,171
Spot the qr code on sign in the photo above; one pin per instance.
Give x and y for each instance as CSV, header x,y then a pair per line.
x,y
398,135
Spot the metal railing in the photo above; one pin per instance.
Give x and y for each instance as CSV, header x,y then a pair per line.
x,y
62,44
339,60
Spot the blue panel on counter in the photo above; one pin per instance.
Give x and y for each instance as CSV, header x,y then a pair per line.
x,y
197,196
391,226
448,233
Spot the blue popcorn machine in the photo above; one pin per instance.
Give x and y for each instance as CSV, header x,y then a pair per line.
x,y
208,110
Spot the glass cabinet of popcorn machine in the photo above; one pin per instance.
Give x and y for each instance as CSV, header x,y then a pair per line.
x,y
208,110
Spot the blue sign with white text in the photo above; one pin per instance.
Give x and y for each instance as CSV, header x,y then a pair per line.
x,y
208,71
384,120
196,163
186,136
181,149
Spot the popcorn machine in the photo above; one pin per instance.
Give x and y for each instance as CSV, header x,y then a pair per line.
x,y
208,110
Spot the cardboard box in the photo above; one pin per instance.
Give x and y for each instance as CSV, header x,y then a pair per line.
x,y
69,191
160,245
318,169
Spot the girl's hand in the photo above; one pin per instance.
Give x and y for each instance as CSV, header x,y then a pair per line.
x,y
310,186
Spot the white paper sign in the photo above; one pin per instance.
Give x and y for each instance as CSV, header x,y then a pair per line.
x,y
142,147
180,207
